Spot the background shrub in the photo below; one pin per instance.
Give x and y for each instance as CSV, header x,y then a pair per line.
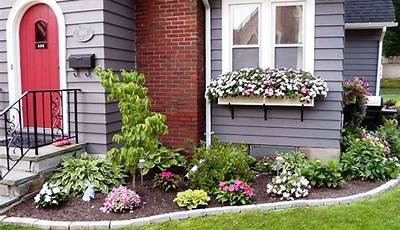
x,y
102,174
391,133
220,162
364,160
323,175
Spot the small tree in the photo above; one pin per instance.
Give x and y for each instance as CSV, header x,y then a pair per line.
x,y
391,45
140,126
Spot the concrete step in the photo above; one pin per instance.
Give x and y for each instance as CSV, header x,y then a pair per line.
x,y
18,183
6,201
49,157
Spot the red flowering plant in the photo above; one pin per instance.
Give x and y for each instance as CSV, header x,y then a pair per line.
x,y
234,192
355,98
167,180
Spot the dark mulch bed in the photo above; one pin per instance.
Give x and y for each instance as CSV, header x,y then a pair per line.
x,y
158,202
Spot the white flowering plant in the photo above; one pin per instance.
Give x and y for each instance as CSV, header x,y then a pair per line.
x,y
268,83
288,186
50,196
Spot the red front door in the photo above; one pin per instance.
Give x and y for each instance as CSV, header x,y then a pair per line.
x,y
39,52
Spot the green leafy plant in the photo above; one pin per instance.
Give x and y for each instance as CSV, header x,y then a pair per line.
x,y
50,196
163,159
291,161
364,160
219,162
102,174
234,192
323,175
349,134
263,166
140,126
192,199
391,133
167,180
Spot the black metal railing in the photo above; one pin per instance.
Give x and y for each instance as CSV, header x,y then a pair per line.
x,y
36,119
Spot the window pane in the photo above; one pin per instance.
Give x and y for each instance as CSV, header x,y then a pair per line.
x,y
289,24
41,31
245,24
289,57
245,58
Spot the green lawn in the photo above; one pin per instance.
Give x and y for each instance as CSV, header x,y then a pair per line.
x,y
378,213
390,86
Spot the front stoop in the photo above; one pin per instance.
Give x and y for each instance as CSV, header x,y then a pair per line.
x,y
32,172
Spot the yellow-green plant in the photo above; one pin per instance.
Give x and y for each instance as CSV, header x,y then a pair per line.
x,y
140,126
192,199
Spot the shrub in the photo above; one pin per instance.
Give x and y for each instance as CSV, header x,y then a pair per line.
x,y
290,161
364,160
288,186
120,200
166,180
74,173
192,199
163,159
234,192
392,167
263,166
50,196
355,94
323,175
140,126
220,162
349,134
390,132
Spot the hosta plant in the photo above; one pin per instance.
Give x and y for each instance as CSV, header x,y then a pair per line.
x,y
76,172
50,196
192,199
234,192
323,175
290,161
121,200
289,186
269,83
163,159
263,166
167,180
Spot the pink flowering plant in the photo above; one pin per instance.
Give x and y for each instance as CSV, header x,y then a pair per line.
x,y
376,141
268,83
234,192
355,98
121,200
167,180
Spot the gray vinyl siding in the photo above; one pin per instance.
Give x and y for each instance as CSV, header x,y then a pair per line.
x,y
361,55
322,124
113,45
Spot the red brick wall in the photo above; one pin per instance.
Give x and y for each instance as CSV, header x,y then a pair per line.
x,y
170,52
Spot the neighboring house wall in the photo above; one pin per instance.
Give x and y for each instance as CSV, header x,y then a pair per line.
x,y
322,125
391,68
361,55
114,47
170,52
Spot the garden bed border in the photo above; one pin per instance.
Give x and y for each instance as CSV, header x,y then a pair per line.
x,y
182,215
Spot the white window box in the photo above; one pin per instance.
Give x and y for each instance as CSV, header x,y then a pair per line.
x,y
258,100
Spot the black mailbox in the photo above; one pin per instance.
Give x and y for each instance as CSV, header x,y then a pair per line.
x,y
82,61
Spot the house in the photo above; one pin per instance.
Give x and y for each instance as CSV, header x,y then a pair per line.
x,y
180,46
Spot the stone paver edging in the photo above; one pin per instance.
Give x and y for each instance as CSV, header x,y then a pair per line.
x,y
118,224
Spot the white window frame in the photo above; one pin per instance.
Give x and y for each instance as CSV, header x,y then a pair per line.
x,y
266,32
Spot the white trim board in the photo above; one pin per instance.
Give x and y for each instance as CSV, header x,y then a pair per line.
x,y
266,31
13,50
370,25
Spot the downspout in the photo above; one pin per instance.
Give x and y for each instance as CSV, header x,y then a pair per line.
x,y
380,67
208,68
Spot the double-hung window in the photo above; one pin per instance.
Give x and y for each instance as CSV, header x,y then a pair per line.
x,y
268,34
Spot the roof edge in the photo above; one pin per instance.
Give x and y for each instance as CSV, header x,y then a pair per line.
x,y
370,25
